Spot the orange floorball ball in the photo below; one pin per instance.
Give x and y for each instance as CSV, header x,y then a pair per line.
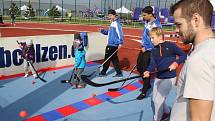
x,y
23,114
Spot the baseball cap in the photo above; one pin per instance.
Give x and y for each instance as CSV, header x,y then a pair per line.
x,y
29,42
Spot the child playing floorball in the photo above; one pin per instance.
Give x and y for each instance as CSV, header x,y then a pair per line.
x,y
80,62
163,56
28,54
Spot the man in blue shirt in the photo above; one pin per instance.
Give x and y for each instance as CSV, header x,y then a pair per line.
x,y
147,46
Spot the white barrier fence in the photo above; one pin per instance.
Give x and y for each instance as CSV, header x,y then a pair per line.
x,y
51,51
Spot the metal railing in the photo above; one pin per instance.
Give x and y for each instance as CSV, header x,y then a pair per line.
x,y
84,13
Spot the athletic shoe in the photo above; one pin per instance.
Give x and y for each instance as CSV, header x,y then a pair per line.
x,y
35,75
81,86
26,75
65,81
118,75
141,96
148,88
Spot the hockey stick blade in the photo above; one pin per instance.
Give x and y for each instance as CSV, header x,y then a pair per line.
x,y
119,88
88,81
64,81
113,89
38,76
43,80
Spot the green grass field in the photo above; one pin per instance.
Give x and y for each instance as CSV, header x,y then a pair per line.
x,y
81,20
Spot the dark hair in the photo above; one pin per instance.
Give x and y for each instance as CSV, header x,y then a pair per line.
x,y
111,11
148,9
80,46
77,36
203,7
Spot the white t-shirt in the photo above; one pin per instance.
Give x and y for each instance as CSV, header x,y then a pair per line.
x,y
196,80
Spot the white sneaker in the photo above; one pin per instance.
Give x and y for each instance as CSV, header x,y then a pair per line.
x,y
26,75
35,75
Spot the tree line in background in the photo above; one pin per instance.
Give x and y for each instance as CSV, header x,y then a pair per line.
x,y
30,13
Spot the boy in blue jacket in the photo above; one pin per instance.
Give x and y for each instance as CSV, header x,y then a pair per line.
x,y
165,55
114,41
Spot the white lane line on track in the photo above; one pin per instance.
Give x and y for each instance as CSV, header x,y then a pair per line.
x,y
46,29
137,40
63,30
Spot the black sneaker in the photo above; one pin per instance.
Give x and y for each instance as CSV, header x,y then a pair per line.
x,y
141,96
65,81
147,88
101,75
118,75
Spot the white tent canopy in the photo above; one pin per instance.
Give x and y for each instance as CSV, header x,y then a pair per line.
x,y
60,8
24,8
213,3
123,10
